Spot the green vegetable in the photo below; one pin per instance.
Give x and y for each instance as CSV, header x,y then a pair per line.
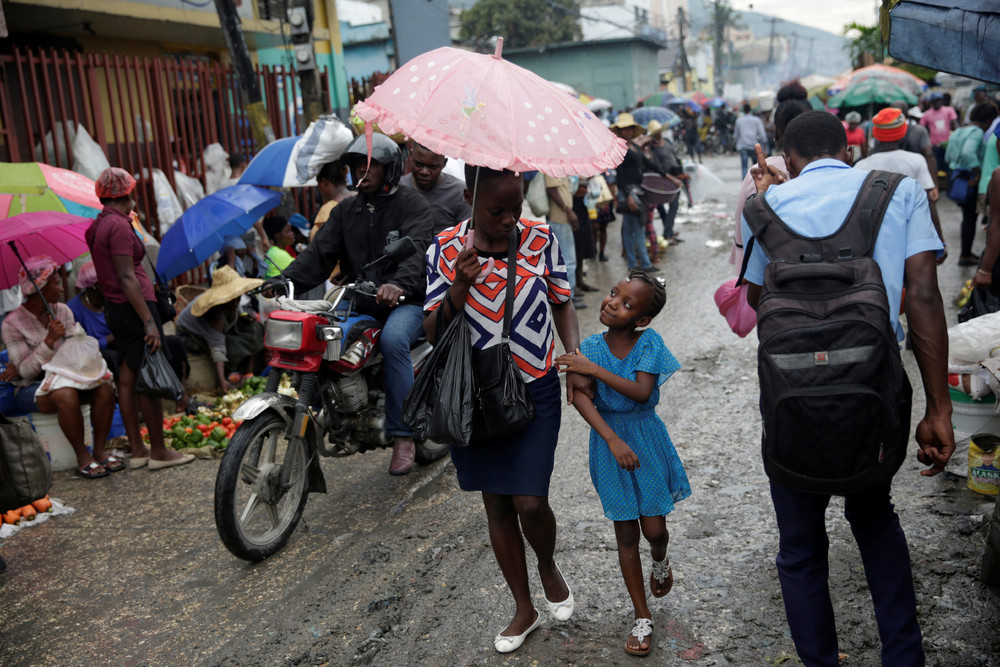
x,y
218,434
179,433
195,437
204,419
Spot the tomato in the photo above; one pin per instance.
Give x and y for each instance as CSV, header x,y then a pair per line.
x,y
188,429
226,421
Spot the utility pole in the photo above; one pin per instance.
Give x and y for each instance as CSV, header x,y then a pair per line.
x,y
260,125
300,21
770,42
809,60
721,14
681,25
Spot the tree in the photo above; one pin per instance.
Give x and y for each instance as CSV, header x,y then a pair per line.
x,y
522,22
724,19
864,40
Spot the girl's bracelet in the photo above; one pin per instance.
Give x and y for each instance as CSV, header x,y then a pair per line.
x,y
988,274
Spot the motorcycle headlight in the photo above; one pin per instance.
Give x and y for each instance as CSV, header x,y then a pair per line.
x,y
283,335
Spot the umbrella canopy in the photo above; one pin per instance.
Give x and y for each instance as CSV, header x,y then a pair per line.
x,y
566,88
293,162
682,103
268,167
490,112
53,233
899,77
717,102
200,232
36,186
596,104
661,115
950,35
871,91
659,99
699,98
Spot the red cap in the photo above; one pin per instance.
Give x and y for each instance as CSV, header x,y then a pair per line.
x,y
114,182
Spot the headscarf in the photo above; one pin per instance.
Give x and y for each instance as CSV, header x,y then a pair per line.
x,y
87,277
40,269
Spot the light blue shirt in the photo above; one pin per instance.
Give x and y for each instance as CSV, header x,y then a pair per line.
x,y
817,202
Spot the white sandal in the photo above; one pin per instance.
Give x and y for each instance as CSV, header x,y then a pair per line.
x,y
642,628
663,575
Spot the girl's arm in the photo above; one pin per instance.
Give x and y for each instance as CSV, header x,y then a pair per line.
x,y
619,448
637,390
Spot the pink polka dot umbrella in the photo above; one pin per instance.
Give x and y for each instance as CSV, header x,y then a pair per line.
x,y
492,113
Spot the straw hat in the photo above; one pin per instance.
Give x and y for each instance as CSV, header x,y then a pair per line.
x,y
226,286
625,119
654,126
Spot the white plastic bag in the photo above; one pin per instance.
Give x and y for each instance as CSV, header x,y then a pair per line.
x,y
168,207
324,141
56,147
538,196
77,364
217,168
88,156
189,189
974,340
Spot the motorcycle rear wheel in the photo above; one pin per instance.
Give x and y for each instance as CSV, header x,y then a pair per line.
x,y
253,514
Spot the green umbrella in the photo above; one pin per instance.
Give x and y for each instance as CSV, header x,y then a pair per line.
x,y
871,91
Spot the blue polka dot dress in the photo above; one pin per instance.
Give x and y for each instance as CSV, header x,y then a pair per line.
x,y
660,480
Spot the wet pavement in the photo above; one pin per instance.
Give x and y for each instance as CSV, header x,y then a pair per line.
x,y
398,571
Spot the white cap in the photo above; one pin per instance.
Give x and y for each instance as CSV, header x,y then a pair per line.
x,y
915,112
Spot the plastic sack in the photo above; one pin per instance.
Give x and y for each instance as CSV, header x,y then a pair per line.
x,y
439,406
217,168
538,196
732,303
604,197
168,206
88,156
324,141
77,364
157,379
974,340
25,471
189,189
56,145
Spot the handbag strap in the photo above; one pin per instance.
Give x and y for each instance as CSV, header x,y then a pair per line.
x,y
508,306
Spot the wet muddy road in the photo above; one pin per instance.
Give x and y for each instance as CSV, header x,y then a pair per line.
x,y
398,571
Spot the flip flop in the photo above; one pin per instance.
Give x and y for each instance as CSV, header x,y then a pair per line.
x,y
113,464
92,470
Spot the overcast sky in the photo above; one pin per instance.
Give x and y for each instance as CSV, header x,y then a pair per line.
x,y
829,15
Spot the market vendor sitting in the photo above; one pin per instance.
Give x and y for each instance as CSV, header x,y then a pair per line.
x,y
32,338
214,324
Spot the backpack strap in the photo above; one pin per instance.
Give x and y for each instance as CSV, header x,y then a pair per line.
x,y
854,238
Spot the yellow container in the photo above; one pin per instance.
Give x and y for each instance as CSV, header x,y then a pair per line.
x,y
984,473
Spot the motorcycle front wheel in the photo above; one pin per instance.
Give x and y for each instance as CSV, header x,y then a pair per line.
x,y
255,513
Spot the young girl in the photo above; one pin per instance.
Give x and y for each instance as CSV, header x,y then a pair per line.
x,y
633,463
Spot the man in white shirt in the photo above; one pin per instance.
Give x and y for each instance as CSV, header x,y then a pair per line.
x,y
749,130
889,128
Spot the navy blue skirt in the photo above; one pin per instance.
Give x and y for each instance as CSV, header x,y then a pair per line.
x,y
521,463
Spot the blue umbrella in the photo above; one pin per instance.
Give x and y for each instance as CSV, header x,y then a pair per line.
x,y
717,102
200,232
661,115
269,166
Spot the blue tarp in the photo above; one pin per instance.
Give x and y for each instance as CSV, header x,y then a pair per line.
x,y
957,36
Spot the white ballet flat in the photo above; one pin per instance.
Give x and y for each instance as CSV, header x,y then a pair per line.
x,y
561,611
505,644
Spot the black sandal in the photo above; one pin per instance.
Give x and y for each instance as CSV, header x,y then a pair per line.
x,y
92,470
110,461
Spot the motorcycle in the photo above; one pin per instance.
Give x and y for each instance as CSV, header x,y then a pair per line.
x,y
272,461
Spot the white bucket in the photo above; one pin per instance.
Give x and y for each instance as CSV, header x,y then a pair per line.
x,y
61,454
969,416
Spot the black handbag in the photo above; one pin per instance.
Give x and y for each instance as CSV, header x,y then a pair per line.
x,y
981,302
502,403
25,472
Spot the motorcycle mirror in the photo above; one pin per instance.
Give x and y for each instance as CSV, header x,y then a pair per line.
x,y
400,249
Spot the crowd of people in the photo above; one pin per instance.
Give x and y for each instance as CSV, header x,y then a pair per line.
x,y
612,378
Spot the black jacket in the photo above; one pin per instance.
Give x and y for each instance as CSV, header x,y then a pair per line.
x,y
356,234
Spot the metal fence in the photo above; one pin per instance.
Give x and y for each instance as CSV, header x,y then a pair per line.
x,y
145,113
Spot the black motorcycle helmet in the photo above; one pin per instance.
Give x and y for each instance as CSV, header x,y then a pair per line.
x,y
384,151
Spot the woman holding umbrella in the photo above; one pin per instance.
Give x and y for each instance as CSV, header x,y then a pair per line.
x,y
131,314
32,336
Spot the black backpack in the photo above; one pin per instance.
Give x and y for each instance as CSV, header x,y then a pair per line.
x,y
834,397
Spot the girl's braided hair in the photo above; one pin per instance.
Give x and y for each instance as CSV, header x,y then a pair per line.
x,y
657,289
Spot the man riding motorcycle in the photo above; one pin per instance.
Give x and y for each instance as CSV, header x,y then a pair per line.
x,y
355,234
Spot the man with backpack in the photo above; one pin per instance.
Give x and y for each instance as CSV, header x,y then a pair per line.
x,y
833,248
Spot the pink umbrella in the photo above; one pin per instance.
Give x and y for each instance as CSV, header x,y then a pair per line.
x,y
490,112
58,235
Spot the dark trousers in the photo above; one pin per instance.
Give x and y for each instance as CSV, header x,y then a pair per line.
x,y
803,568
668,216
968,227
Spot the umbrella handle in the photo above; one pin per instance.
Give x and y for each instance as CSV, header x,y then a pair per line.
x,y
48,308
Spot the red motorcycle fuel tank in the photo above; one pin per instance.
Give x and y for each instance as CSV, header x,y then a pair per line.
x,y
292,338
